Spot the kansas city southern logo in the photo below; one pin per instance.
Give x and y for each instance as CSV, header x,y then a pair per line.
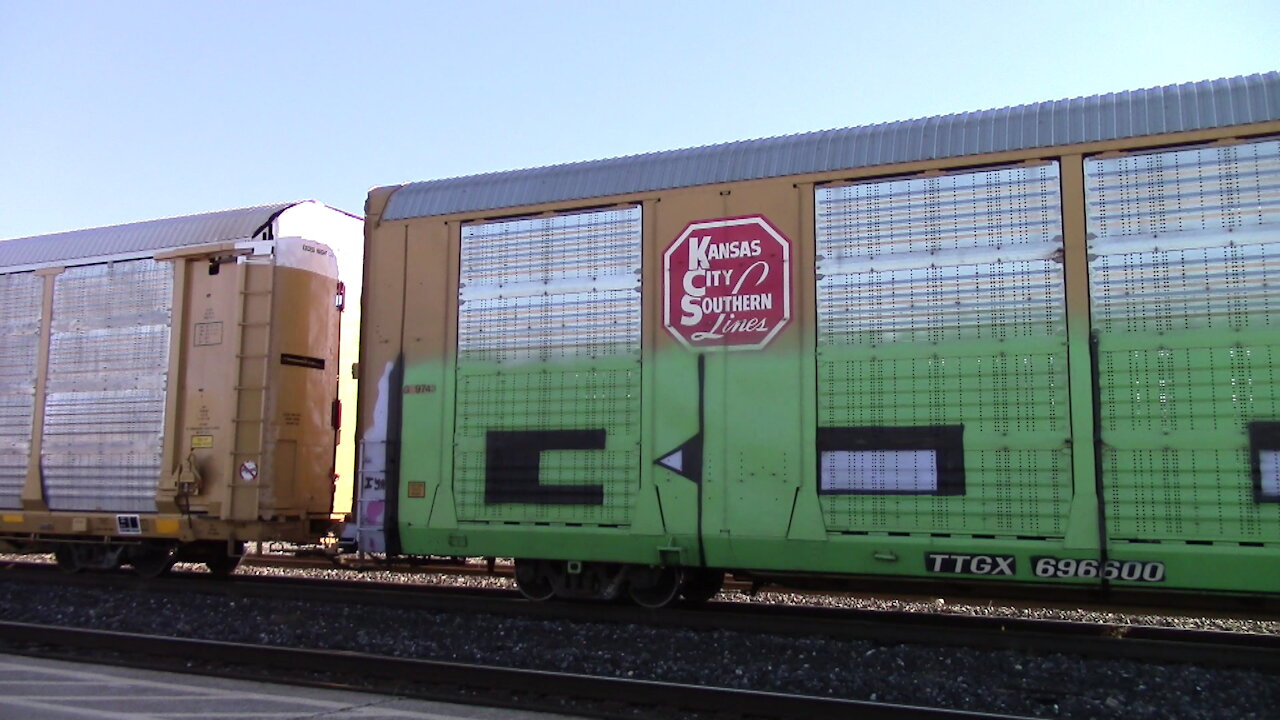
x,y
727,284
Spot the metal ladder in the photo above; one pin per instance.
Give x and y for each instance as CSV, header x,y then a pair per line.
x,y
250,418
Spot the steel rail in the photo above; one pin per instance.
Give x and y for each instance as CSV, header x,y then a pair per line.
x,y
453,682
1136,642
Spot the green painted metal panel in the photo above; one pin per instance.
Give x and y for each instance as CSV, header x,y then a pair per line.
x,y
552,398
754,459
670,419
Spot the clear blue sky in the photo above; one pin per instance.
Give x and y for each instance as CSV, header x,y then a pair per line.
x,y
113,112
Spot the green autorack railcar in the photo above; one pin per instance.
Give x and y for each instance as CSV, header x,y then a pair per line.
x,y
1035,347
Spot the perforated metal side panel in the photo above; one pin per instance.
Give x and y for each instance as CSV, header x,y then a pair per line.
x,y
940,304
104,402
1185,276
549,357
20,297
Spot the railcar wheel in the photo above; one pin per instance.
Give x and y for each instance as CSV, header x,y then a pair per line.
x,y
700,585
654,587
221,566
533,580
65,555
151,560
220,558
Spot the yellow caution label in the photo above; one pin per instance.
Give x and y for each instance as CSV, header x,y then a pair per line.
x,y
201,441
165,526
13,518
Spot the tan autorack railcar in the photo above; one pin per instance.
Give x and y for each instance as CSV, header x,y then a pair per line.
x,y
168,389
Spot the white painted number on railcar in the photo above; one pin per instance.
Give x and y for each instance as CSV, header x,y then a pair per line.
x,y
1129,570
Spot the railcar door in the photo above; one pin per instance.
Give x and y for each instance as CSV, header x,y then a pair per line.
x,y
547,416
1184,268
942,354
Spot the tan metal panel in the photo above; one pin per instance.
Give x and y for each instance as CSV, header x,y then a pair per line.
x,y
33,490
200,431
302,386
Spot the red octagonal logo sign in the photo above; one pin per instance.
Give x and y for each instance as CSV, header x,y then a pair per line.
x,y
727,284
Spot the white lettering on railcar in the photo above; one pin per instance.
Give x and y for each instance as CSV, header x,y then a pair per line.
x,y
727,283
970,564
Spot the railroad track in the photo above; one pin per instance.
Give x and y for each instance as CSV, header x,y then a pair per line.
x,y
1096,640
829,587
443,681
1226,608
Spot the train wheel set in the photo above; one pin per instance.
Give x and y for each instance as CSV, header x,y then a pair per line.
x,y
653,586
149,559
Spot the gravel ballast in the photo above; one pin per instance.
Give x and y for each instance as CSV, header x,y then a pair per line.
x,y
997,681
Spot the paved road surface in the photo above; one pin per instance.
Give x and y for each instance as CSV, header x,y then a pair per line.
x,y
35,689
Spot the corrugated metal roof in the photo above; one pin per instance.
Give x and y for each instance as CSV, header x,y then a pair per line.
x,y
140,237
1173,108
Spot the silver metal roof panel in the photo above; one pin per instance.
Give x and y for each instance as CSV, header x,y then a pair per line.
x,y
138,238
1172,108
